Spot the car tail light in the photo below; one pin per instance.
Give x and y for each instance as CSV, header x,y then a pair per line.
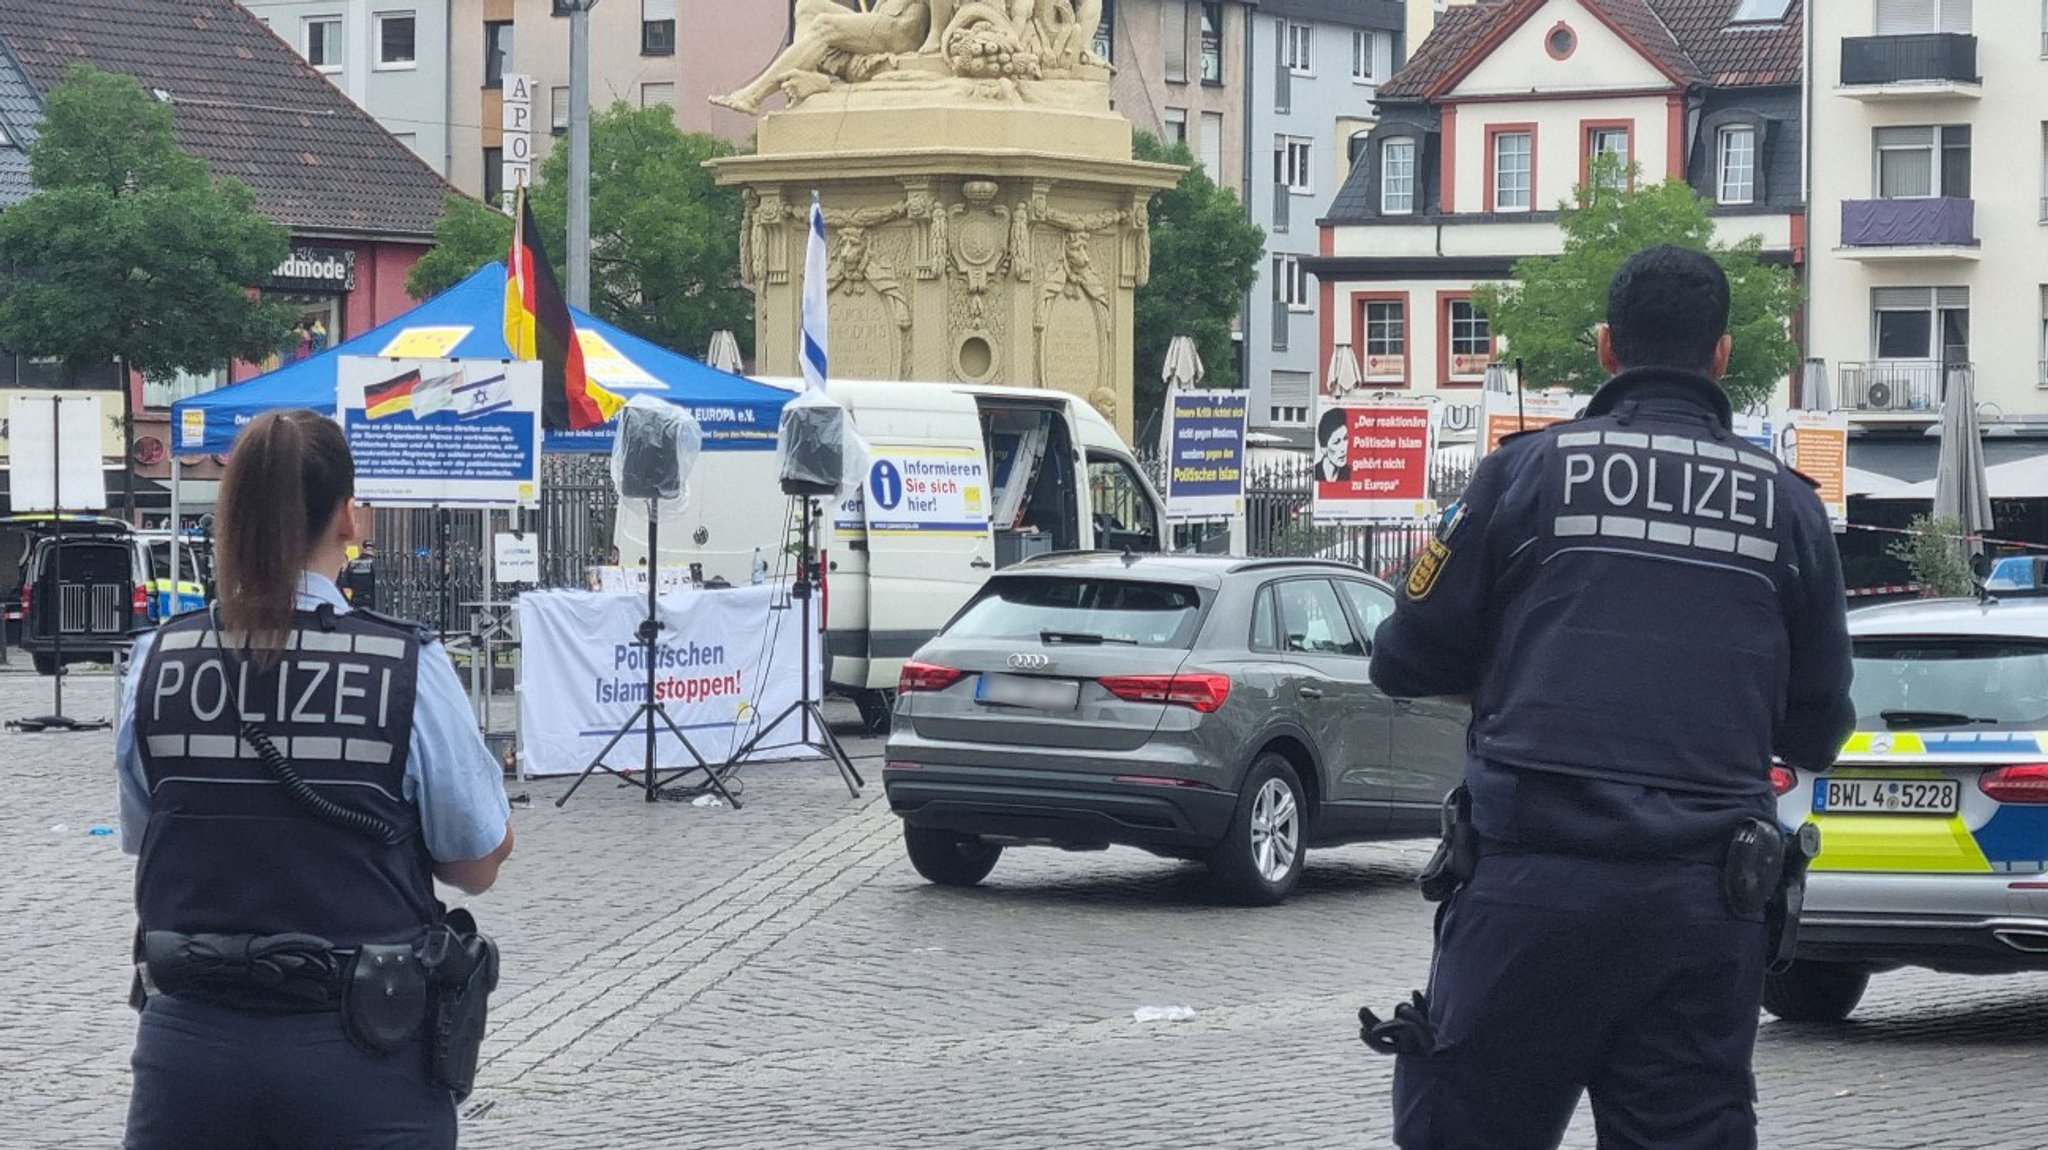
x,y
1204,691
27,595
2021,783
920,676
141,601
1782,779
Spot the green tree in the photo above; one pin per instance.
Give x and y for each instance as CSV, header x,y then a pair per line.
x,y
1205,257
1933,551
1548,313
664,237
129,250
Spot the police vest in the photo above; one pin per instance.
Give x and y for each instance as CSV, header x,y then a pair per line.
x,y
227,849
1642,632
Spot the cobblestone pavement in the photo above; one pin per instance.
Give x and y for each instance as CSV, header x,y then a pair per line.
x,y
778,976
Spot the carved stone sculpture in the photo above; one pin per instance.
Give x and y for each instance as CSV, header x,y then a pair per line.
x,y
995,45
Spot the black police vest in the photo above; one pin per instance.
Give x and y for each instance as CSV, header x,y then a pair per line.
x,y
226,849
1642,635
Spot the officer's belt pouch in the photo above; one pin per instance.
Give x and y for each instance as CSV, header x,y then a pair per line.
x,y
264,973
1756,863
463,967
384,1000
1457,852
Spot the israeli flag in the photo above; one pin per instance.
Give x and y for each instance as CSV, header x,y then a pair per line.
x,y
815,320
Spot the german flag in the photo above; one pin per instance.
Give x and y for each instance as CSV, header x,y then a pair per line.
x,y
392,397
537,326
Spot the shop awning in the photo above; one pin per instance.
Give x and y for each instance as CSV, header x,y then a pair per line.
x,y
468,322
1902,467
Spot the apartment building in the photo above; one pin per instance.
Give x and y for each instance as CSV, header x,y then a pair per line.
x,y
1183,69
1927,260
389,56
1492,123
1316,67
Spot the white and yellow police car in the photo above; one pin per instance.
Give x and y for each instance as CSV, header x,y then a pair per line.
x,y
1934,821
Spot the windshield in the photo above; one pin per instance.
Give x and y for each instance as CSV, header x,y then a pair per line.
x,y
1979,683
192,561
1081,611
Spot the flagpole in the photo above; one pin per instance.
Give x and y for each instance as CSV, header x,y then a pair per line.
x,y
579,151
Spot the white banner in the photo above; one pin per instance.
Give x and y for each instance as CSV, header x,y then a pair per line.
x,y
442,432
727,665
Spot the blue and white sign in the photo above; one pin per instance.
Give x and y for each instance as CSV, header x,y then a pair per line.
x,y
1205,454
442,432
925,490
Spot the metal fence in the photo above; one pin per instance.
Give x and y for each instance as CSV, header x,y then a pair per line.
x,y
430,561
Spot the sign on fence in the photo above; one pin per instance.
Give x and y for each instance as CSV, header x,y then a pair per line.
x,y
1373,461
1506,415
1817,446
1205,454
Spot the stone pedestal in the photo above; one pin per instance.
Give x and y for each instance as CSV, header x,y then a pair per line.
x,y
977,240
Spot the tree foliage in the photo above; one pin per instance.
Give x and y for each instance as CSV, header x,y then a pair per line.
x,y
664,237
1205,257
1933,551
1549,312
129,250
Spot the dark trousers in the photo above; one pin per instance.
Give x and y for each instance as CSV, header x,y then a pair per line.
x,y
1559,975
210,1078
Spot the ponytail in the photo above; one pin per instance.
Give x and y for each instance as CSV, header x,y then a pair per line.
x,y
289,476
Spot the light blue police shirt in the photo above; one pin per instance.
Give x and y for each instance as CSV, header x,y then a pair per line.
x,y
450,774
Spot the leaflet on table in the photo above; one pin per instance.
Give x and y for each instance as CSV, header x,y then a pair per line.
x,y
442,432
1205,454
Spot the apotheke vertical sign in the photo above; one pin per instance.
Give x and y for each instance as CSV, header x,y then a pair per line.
x,y
517,121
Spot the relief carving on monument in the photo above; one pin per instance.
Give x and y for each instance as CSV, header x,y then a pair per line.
x,y
871,310
1021,50
1074,311
764,241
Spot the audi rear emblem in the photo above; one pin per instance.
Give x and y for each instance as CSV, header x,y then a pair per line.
x,y
1024,661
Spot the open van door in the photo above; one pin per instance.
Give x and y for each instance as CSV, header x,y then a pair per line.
x,y
929,543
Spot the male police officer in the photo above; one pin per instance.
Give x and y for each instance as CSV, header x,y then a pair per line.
x,y
1643,610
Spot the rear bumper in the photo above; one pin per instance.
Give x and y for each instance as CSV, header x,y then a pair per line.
x,y
1964,923
1058,807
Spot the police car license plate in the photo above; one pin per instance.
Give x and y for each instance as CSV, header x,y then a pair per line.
x,y
1028,691
1886,796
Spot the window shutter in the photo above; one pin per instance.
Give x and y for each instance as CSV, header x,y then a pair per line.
x,y
1899,298
1292,389
1952,297
657,9
1955,16
1906,17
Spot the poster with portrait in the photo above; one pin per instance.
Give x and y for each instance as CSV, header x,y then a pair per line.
x,y
1372,462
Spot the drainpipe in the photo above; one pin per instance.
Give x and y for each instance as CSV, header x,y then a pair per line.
x,y
448,93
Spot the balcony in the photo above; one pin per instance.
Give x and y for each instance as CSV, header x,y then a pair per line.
x,y
1931,65
1898,386
1922,228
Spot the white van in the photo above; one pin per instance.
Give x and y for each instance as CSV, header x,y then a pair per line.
x,y
962,479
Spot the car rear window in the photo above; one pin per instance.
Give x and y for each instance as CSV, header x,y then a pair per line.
x,y
1978,684
1116,610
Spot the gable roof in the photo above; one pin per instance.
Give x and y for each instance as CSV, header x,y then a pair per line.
x,y
1691,41
21,109
246,104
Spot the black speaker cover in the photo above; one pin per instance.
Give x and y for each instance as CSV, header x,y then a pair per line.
x,y
813,448
648,465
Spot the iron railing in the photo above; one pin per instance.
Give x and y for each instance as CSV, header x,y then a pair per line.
x,y
1907,385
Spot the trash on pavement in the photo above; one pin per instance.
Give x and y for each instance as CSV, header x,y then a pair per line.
x,y
1163,1013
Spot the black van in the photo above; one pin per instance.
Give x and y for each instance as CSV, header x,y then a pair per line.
x,y
104,595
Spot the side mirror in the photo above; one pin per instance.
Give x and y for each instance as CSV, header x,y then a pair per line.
x,y
1980,565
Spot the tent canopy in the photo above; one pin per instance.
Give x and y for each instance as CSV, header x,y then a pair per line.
x,y
468,322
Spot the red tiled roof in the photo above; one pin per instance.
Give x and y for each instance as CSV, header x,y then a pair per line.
x,y
246,104
1691,40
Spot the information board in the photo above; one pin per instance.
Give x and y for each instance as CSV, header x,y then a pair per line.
x,y
1372,462
442,432
1205,449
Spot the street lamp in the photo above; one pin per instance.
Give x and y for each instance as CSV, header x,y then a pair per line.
x,y
578,12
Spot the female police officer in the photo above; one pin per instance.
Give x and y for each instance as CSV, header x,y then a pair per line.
x,y
294,775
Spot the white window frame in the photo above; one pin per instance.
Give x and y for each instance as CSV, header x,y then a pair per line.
x,y
1949,16
1406,201
1387,332
377,41
1175,118
668,103
1294,164
1528,172
1936,145
1722,167
1365,56
1301,41
1290,283
1451,335
558,109
337,47
1627,153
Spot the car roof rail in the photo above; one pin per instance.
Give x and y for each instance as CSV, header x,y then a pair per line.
x,y
1272,563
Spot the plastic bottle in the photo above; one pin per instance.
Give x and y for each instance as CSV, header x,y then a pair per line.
x,y
760,568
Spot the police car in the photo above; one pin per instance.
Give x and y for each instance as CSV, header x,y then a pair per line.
x,y
1934,821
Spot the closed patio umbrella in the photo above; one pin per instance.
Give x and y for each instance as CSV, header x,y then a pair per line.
x,y
724,353
1183,367
1960,490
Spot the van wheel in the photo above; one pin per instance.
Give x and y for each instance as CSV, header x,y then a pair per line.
x,y
949,858
877,709
1260,859
1810,991
45,664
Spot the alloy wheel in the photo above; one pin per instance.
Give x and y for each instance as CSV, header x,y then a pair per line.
x,y
1275,830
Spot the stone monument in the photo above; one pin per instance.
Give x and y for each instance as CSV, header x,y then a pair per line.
x,y
985,220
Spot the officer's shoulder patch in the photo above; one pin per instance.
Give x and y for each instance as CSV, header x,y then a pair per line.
x,y
1427,569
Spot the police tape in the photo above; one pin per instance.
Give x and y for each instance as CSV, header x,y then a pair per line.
x,y
1993,540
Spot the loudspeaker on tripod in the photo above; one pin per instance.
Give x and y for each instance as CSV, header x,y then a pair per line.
x,y
813,440
648,464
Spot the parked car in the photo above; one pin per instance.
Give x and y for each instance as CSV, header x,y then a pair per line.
x,y
195,573
103,598
1207,708
1934,822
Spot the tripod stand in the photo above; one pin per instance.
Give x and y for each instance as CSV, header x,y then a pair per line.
x,y
806,709
648,637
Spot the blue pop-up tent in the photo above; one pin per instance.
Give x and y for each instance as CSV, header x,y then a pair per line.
x,y
468,322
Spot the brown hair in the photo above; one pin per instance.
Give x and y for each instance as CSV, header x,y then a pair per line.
x,y
290,473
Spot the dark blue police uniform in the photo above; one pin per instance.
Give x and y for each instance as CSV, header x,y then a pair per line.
x,y
226,850
1644,609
